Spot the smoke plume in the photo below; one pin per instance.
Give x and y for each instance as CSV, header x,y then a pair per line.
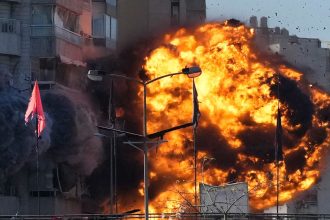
x,y
68,137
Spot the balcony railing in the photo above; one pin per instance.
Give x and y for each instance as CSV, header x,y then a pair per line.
x,y
10,26
10,34
55,31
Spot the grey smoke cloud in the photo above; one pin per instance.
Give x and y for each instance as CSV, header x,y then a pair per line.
x,y
72,137
68,137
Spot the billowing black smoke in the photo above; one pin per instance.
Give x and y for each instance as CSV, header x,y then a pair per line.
x,y
68,137
257,139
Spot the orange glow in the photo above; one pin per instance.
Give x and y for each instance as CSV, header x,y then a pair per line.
x,y
235,97
120,112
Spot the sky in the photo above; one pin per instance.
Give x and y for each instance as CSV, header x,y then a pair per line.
x,y
304,18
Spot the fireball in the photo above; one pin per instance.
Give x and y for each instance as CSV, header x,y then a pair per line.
x,y
238,95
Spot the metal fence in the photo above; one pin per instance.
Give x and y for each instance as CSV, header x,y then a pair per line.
x,y
173,216
55,31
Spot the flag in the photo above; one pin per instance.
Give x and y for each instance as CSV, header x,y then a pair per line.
x,y
196,113
35,109
278,138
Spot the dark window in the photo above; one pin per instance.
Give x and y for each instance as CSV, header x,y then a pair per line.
x,y
42,14
43,193
175,13
47,63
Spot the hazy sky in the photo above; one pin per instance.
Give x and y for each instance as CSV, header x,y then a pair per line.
x,y
304,18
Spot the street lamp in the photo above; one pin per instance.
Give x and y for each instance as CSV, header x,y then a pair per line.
x,y
97,75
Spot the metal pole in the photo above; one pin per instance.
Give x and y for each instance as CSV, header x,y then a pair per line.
x,y
37,151
277,187
276,153
115,170
146,182
195,163
111,176
110,106
145,153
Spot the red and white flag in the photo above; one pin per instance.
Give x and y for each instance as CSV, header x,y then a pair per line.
x,y
35,109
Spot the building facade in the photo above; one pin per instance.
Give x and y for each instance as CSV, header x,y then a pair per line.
x,y
313,59
52,41
305,54
119,24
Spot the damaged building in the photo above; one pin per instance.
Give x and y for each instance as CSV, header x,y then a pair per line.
x,y
306,54
313,59
53,41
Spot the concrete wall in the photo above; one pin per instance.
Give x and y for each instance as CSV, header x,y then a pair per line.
x,y
146,18
9,205
133,21
196,11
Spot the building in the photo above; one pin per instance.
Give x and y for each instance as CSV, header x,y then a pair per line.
x,y
306,54
52,41
312,57
113,28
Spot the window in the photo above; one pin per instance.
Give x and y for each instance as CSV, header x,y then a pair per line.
x,y
98,27
110,27
105,27
112,2
42,15
113,34
66,19
175,13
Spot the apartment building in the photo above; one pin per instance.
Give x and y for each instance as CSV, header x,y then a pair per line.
x,y
313,59
52,41
118,24
306,54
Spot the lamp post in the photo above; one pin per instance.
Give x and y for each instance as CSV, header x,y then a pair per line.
x,y
191,72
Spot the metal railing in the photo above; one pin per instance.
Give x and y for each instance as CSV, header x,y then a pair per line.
x,y
51,30
10,26
173,216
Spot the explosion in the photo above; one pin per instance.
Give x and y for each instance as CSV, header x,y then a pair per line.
x,y
238,103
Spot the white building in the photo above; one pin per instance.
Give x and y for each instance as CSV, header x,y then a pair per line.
x,y
305,54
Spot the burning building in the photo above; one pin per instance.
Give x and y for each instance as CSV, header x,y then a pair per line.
x,y
52,41
314,61
306,54
239,93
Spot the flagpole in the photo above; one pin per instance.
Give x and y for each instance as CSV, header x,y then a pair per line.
x,y
37,151
195,163
34,109
276,153
196,115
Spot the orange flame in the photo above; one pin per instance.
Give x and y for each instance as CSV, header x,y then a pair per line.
x,y
235,95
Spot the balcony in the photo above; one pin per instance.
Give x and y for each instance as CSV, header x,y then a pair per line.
x,y
73,5
58,32
10,34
